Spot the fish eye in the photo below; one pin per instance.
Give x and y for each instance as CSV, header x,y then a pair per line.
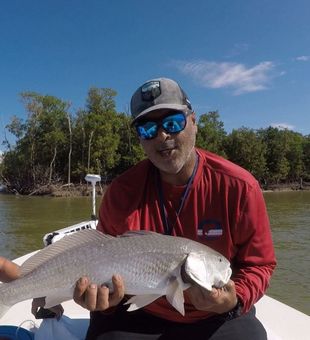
x,y
220,259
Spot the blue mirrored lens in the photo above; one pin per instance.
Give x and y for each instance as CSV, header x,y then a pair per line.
x,y
147,130
173,123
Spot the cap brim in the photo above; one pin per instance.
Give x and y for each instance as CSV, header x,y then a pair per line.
x,y
160,107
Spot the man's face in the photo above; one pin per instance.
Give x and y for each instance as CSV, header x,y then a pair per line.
x,y
170,153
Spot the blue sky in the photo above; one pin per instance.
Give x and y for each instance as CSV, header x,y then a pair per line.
x,y
248,59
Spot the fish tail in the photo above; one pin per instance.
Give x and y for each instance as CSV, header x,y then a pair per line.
x,y
3,305
3,309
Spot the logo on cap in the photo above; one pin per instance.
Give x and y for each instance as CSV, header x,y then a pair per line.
x,y
150,90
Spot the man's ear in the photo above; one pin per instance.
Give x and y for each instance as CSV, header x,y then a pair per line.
x,y
193,117
194,121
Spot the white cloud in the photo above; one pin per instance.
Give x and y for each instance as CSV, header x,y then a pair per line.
x,y
283,126
303,58
236,76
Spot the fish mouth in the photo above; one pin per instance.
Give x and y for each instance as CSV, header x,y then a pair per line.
x,y
228,274
225,278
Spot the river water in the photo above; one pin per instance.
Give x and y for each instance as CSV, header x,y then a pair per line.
x,y
25,220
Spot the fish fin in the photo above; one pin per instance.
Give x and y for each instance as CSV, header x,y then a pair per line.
x,y
137,233
69,242
174,294
57,297
195,269
139,301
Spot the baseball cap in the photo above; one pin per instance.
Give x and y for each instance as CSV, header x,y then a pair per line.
x,y
155,94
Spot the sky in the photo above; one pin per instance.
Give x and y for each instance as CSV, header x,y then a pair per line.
x,y
249,59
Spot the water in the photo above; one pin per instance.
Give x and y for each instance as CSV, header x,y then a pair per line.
x,y
289,214
24,221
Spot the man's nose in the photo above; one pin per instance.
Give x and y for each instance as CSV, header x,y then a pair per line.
x,y
162,134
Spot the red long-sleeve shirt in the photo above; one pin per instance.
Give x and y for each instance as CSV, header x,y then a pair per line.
x,y
224,209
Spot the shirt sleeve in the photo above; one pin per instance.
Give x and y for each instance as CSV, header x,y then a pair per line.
x,y
255,260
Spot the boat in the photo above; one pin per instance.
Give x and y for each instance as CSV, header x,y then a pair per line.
x,y
281,321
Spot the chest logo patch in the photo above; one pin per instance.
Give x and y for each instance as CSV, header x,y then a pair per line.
x,y
210,229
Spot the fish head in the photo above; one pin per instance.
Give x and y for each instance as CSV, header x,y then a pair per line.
x,y
207,270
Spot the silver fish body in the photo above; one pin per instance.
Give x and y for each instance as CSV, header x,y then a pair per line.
x,y
149,263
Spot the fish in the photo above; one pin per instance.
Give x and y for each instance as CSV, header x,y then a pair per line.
x,y
151,265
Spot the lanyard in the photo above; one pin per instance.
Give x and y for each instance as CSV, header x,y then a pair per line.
x,y
164,216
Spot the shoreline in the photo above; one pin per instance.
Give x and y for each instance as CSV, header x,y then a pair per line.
x,y
72,190
80,190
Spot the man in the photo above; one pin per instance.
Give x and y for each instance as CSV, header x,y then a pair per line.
x,y
181,190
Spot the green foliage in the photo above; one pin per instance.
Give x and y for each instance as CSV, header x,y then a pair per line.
x,y
306,157
247,149
211,133
277,142
40,140
294,155
129,146
55,145
96,133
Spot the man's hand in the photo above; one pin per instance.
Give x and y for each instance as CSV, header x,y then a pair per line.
x,y
98,298
219,300
8,270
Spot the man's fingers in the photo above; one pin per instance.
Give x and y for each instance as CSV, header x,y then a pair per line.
x,y
118,290
80,289
102,298
8,270
230,286
213,295
91,297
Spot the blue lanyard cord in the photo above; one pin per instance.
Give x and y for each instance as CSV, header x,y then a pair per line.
x,y
163,211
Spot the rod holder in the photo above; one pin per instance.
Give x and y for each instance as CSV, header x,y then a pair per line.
x,y
93,179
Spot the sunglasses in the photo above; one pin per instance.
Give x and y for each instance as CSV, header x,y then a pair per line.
x,y
172,124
